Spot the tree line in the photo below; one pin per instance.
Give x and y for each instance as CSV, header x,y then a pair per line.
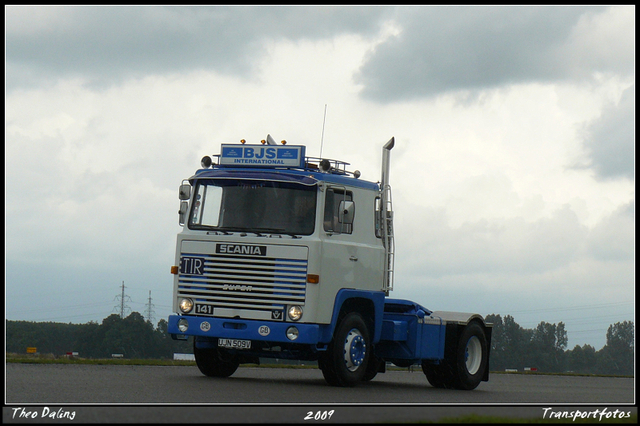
x,y
132,337
544,348
512,346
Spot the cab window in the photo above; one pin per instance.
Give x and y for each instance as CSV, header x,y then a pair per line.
x,y
332,222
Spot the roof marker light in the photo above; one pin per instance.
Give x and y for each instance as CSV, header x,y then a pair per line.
x,y
242,141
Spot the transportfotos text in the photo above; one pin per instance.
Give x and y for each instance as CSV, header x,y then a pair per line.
x,y
550,413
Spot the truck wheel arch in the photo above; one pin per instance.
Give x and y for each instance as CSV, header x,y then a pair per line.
x,y
369,304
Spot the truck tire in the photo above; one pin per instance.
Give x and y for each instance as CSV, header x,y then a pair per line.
x,y
464,366
472,357
215,362
440,375
345,361
374,366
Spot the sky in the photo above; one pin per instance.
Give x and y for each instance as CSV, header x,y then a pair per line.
x,y
513,172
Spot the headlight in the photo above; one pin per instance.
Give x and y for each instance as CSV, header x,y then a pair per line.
x,y
292,333
295,313
183,325
186,305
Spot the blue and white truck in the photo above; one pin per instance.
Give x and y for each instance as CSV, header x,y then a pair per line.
x,y
292,257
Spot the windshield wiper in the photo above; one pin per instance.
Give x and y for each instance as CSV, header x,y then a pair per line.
x,y
258,231
221,231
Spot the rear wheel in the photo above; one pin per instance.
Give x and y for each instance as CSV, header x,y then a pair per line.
x,y
465,366
472,357
215,362
439,376
346,359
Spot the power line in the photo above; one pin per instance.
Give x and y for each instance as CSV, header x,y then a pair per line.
x,y
94,315
572,308
122,298
65,308
149,312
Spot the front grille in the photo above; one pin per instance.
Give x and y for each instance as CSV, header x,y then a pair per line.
x,y
262,283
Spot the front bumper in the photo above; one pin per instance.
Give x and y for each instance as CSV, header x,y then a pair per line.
x,y
232,328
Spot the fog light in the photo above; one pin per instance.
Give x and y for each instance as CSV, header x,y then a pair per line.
x,y
183,325
292,333
295,313
186,305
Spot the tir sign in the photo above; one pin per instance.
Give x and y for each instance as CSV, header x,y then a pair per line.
x,y
192,265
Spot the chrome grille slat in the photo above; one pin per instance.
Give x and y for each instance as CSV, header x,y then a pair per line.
x,y
251,295
205,298
279,287
253,282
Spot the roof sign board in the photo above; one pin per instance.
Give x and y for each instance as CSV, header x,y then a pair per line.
x,y
262,155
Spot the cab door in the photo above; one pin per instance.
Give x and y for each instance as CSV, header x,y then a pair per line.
x,y
351,253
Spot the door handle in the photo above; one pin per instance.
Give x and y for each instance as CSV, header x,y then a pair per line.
x,y
353,258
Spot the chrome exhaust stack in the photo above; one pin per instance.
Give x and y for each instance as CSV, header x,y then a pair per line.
x,y
386,217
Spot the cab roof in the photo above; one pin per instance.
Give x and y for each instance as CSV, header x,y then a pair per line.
x,y
278,163
302,176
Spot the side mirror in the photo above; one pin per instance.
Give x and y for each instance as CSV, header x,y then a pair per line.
x,y
185,192
347,212
182,213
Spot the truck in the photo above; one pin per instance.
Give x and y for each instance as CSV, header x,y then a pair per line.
x,y
292,257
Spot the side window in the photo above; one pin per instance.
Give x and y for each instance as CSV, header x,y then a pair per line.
x,y
332,222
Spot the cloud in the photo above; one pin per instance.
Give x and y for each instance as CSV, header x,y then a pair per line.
x,y
447,49
610,139
490,246
114,106
613,238
107,44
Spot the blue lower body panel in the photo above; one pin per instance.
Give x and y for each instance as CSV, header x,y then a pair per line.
x,y
409,332
254,330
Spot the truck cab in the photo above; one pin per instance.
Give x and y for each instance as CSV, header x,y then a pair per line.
x,y
287,256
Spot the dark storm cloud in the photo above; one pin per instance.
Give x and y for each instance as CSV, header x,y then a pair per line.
x,y
610,139
444,49
107,44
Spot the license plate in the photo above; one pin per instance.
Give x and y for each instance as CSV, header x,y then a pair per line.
x,y
234,343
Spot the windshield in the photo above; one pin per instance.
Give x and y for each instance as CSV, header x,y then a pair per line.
x,y
254,206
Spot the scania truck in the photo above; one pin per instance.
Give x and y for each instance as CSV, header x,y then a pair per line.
x,y
292,257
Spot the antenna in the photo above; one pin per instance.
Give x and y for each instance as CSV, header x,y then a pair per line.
x,y
323,121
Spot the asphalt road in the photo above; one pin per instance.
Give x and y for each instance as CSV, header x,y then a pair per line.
x,y
150,394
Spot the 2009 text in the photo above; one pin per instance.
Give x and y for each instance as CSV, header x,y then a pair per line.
x,y
319,415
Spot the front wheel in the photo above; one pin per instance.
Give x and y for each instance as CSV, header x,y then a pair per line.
x,y
215,362
345,361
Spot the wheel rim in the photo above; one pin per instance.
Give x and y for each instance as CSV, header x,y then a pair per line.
x,y
473,355
355,349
